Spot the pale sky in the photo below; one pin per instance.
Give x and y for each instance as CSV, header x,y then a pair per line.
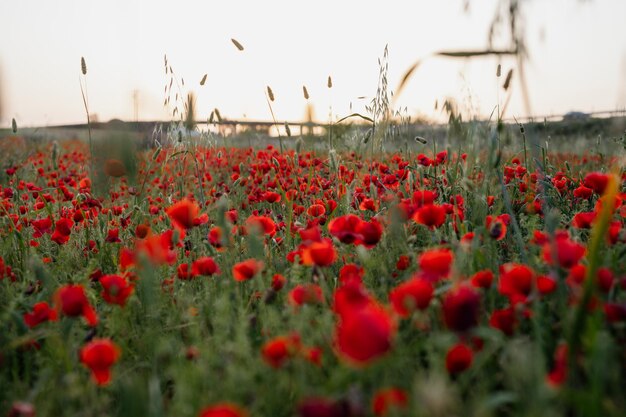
x,y
577,56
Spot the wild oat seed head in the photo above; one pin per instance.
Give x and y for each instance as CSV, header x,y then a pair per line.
x,y
237,44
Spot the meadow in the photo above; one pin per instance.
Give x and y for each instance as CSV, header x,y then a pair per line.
x,y
479,274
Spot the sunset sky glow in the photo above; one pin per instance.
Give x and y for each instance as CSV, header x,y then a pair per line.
x,y
577,56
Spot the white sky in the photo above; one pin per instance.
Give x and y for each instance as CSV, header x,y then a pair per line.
x,y
577,48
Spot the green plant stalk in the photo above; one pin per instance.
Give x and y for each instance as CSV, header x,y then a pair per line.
x,y
83,93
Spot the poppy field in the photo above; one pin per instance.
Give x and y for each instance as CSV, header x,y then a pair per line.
x,y
205,281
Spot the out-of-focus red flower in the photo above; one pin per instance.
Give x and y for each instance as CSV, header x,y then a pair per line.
x,y
22,409
99,356
323,407
371,233
568,252
403,263
435,263
316,210
157,248
204,266
558,374
113,236
461,307
597,181
306,294
351,296
183,213
458,359
504,320
216,238
115,289
71,301
41,226
387,399
413,294
278,350
62,231
364,334
320,253
41,313
142,230
278,282
346,228
246,270
496,227
351,272
516,281
482,279
263,224
615,312
583,192
223,410
583,220
430,215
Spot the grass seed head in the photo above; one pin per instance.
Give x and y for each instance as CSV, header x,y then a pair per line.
x,y
83,65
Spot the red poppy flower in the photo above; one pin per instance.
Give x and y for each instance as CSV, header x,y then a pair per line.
x,y
320,253
482,279
216,238
516,281
504,320
158,248
370,232
436,263
403,263
278,350
596,181
387,399
246,270
346,228
263,224
72,301
41,226
430,215
183,213
306,294
223,410
278,282
41,313
113,236
413,294
142,230
115,289
351,272
364,334
568,252
496,227
62,231
583,220
316,210
458,359
204,266
99,356
461,306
